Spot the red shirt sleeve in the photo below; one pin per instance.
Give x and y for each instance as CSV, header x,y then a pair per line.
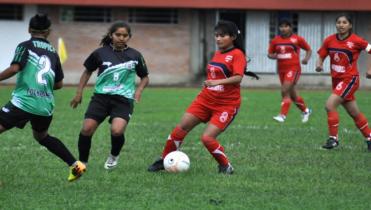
x,y
363,45
303,44
271,49
239,64
323,51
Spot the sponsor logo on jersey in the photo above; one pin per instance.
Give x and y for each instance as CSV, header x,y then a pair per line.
x,y
294,40
282,49
219,88
228,58
338,68
350,44
284,56
107,63
337,57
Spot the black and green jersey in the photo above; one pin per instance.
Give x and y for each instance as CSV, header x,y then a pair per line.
x,y
40,70
116,70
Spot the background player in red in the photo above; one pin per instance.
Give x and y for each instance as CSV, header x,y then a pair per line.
x,y
285,48
343,48
219,100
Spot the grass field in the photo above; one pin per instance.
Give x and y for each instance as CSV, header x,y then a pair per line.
x,y
277,166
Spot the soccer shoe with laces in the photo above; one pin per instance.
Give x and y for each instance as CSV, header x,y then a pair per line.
x,y
111,162
158,165
279,118
305,115
228,169
76,170
331,143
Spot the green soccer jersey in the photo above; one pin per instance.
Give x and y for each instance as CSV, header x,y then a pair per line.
x,y
117,70
40,70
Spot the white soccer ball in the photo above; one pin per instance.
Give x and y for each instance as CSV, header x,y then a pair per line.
x,y
176,161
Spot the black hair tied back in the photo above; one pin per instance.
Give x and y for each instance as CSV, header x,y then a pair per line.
x,y
40,22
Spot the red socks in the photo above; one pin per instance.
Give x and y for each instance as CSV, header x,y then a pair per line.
x,y
215,149
299,101
362,125
285,106
333,124
174,141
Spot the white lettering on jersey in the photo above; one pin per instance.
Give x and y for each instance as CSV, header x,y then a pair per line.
x,y
284,56
338,68
219,88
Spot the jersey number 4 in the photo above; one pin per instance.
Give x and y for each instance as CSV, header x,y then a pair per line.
x,y
44,67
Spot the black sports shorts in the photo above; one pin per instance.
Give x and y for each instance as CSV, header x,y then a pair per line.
x,y
103,105
12,116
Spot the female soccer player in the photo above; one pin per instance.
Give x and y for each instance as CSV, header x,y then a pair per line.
x,y
285,48
39,72
219,100
115,89
343,48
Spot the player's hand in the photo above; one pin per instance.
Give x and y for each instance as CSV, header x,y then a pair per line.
x,y
211,83
76,101
368,74
304,62
319,69
137,96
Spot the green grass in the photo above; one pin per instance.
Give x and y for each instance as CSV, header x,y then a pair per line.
x,y
278,166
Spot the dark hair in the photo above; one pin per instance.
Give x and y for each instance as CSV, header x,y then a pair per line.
x,y
40,22
347,16
285,22
107,40
230,28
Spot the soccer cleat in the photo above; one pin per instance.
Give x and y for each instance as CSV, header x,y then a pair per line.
x,y
111,162
228,169
158,165
368,142
76,170
305,115
331,143
279,118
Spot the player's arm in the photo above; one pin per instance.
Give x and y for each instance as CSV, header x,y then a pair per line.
x,y
83,81
9,72
319,64
308,54
271,51
142,84
236,79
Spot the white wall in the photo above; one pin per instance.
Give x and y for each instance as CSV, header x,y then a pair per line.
x,y
12,33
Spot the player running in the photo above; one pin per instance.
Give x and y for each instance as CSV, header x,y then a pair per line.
x,y
115,90
343,48
285,48
39,72
219,100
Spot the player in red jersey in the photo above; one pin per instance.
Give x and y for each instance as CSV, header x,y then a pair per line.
x,y
285,48
343,48
218,102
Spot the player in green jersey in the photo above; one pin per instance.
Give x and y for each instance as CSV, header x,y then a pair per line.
x,y
115,89
39,72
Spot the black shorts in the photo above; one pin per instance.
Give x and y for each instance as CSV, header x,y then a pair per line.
x,y
11,116
102,105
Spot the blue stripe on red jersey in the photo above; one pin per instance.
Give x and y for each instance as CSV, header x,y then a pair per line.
x,y
347,52
227,73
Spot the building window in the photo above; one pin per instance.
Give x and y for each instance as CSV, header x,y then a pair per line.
x,y
86,14
11,12
275,18
159,16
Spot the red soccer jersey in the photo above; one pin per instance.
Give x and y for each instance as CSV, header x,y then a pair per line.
x,y
222,66
288,51
343,54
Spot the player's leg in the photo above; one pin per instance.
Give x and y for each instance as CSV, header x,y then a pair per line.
x,y
40,127
94,115
359,119
286,85
196,113
332,120
299,102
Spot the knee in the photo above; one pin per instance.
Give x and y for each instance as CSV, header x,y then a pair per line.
x,y
87,130
39,136
117,132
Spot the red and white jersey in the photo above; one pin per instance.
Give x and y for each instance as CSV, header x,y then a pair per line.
x,y
288,51
343,54
222,66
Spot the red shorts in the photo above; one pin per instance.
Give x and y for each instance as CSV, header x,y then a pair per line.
x,y
219,115
291,76
345,87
